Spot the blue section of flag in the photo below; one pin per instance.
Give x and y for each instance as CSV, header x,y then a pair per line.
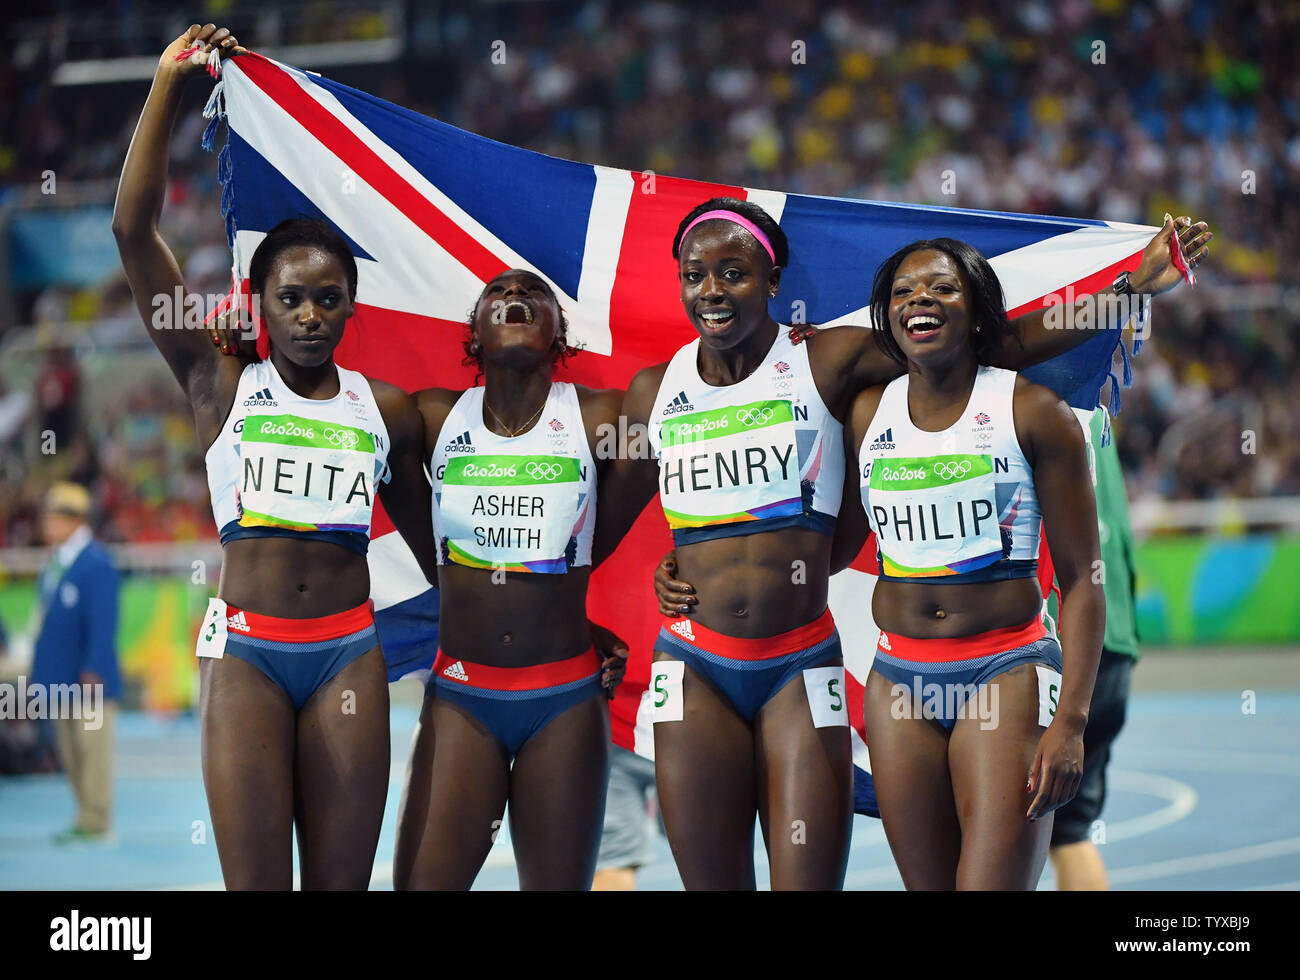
x,y
864,793
408,632
537,205
837,244
276,197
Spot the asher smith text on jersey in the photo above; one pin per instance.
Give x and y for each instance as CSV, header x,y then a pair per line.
x,y
508,505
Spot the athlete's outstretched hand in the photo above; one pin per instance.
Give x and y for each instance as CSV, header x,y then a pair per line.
x,y
1057,770
203,46
675,598
1158,271
613,653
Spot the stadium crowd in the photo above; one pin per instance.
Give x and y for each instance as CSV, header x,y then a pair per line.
x,y
1082,107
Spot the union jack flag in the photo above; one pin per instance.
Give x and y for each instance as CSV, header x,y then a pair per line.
x,y
982,418
556,424
432,212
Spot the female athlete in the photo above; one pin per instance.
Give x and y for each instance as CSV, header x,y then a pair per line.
x,y
294,693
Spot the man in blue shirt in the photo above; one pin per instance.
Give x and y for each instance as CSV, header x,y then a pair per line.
x,y
76,655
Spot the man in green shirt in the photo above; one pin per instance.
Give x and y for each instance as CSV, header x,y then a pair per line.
x,y
1077,831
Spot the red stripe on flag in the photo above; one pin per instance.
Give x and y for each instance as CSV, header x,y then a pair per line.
x,y
367,164
1099,280
855,693
645,308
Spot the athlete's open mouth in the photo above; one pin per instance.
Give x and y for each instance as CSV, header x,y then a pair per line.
x,y
922,325
517,311
717,319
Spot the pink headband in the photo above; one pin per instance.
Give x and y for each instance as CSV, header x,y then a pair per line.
x,y
744,222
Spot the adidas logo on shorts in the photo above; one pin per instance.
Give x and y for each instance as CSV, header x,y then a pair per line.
x,y
456,672
238,622
683,629
884,640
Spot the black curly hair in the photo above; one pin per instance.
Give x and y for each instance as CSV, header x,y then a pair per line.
x,y
560,350
988,305
748,210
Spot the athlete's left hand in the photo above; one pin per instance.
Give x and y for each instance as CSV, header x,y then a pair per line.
x,y
1157,273
799,332
1057,768
233,333
675,598
613,651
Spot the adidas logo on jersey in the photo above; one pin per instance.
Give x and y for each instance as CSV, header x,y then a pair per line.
x,y
461,444
261,399
883,441
683,629
884,640
456,672
238,622
678,405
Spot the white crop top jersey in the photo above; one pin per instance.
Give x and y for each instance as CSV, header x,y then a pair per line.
x,y
521,504
954,506
759,455
288,466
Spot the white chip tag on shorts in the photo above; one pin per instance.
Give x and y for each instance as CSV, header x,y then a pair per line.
x,y
825,686
212,634
1049,693
666,689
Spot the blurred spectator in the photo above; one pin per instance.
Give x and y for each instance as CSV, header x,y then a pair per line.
x,y
58,395
77,645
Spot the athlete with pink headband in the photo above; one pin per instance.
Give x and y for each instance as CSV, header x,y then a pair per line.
x,y
748,431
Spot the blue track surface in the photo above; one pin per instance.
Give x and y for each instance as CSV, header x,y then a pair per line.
x,y
1202,796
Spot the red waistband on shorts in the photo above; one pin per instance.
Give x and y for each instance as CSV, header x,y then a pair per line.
x,y
470,674
759,648
953,648
241,622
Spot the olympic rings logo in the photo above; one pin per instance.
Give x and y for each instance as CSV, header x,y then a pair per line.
x,y
952,470
343,438
754,416
543,471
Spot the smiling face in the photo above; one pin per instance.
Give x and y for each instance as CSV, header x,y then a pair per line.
x,y
727,279
517,316
305,304
929,307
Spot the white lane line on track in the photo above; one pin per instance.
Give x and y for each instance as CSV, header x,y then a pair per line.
x,y
1182,801
1204,862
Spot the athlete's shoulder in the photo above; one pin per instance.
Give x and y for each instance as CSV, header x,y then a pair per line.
x,y
390,397
600,403
645,385
838,343
1043,417
440,400
865,406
